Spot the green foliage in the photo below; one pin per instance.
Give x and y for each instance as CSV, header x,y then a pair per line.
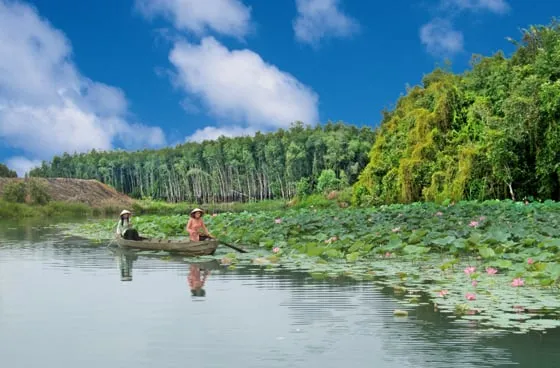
x,y
262,167
38,192
14,192
470,258
490,133
13,210
327,181
5,172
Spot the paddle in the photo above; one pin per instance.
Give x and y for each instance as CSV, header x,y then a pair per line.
x,y
241,250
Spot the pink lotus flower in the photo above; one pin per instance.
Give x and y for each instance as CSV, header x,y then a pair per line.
x,y
388,254
491,271
470,296
278,220
517,282
474,283
530,261
469,270
276,250
473,224
443,293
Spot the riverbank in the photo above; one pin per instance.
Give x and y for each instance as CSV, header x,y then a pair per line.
x,y
495,262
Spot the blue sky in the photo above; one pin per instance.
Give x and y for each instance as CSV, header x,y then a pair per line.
x,y
132,74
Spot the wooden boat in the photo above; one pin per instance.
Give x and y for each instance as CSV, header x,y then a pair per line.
x,y
184,247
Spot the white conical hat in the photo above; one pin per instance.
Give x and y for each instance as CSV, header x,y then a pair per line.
x,y
197,210
124,212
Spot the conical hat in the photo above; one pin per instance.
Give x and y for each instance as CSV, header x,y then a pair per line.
x,y
197,210
124,212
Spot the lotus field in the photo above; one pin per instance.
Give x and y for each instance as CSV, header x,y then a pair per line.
x,y
494,264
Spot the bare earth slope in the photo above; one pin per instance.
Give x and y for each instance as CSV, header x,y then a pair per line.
x,y
91,192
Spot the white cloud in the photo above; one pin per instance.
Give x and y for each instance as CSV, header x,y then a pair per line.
x,y
495,6
212,133
46,106
239,86
319,19
440,38
227,17
22,165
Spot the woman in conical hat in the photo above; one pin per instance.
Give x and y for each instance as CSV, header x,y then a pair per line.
x,y
195,226
124,227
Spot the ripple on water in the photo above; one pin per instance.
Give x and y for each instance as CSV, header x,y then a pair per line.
x,y
65,301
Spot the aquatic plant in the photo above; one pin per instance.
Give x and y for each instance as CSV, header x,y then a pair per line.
x,y
502,273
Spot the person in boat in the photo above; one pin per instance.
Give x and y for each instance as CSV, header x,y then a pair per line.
x,y
196,228
124,227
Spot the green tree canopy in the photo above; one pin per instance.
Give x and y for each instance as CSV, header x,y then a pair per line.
x,y
491,132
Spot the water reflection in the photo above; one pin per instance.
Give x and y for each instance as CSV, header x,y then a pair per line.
x,y
266,318
196,280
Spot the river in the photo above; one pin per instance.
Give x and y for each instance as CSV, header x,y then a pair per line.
x,y
74,303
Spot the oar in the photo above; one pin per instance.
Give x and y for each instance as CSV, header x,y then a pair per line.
x,y
232,246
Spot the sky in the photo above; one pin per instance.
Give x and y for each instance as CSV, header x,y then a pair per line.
x,y
137,74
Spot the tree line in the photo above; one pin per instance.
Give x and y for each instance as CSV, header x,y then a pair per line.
x,y
263,166
492,132
5,172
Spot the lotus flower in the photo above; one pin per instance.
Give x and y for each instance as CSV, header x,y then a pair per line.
x,y
491,271
278,221
214,214
388,254
530,261
474,283
469,270
443,293
517,282
470,296
473,224
396,229
276,250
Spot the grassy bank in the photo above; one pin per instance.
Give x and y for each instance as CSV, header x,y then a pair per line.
x,y
15,211
495,263
54,209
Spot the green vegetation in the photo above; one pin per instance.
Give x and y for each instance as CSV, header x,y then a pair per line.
x,y
490,133
266,166
495,262
52,209
5,172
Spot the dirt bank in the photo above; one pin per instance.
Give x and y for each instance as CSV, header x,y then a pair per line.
x,y
91,192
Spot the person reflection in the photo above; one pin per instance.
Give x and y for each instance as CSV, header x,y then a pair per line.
x,y
196,279
125,264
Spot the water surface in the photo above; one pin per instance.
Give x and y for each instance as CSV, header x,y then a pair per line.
x,y
74,303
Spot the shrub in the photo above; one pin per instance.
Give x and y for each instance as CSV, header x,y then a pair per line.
x,y
14,192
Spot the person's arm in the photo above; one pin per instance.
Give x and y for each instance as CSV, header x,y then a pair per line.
x,y
205,229
189,226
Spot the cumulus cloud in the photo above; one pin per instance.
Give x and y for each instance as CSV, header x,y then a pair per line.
x,y
227,17
22,165
320,19
212,133
495,6
238,86
46,106
440,38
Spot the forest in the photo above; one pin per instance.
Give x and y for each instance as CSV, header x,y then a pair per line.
x,y
492,132
265,166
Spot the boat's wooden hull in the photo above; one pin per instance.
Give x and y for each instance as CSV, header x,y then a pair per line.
x,y
184,247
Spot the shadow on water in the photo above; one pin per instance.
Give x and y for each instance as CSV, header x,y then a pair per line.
x,y
323,316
